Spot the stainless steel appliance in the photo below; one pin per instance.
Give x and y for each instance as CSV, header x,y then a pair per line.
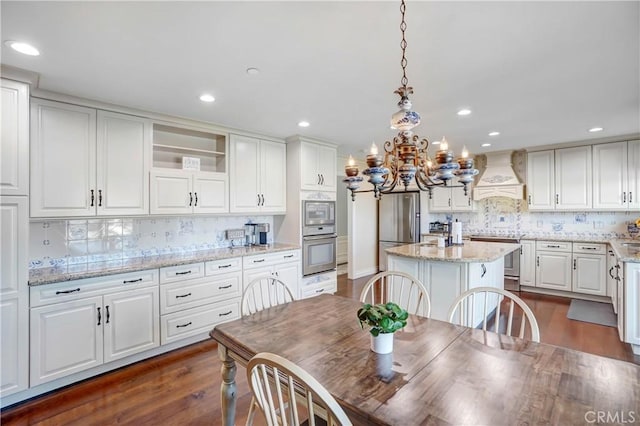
x,y
250,233
318,237
262,229
511,261
398,222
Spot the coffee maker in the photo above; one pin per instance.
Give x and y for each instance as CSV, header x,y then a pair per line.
x,y
262,229
250,233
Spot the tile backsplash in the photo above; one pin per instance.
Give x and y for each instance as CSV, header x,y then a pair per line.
x,y
75,241
505,216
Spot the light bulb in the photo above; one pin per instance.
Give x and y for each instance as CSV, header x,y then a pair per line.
x,y
444,145
374,149
351,161
465,153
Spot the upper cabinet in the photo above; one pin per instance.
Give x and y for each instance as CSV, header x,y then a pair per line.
x,y
616,176
560,179
445,199
318,167
189,173
257,175
86,162
14,145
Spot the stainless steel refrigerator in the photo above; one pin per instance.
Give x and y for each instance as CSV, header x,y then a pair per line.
x,y
398,222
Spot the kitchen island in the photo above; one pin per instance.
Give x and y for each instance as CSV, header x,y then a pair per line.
x,y
448,272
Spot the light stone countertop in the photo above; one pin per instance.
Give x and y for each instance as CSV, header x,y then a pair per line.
x,y
56,274
469,252
625,252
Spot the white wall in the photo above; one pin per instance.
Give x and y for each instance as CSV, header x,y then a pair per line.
x,y
363,236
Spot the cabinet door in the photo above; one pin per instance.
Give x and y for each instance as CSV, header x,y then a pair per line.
x,y
440,200
612,287
528,263
210,193
123,161
273,176
589,274
14,142
14,296
63,160
65,338
249,275
621,302
309,167
553,270
610,176
540,180
461,202
573,178
131,322
289,273
633,175
244,174
632,304
171,192
327,168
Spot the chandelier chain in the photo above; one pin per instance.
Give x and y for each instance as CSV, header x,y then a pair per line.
x,y
403,45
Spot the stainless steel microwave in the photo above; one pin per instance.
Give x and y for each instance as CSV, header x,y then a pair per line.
x,y
318,213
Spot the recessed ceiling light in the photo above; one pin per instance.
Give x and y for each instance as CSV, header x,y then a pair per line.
x,y
494,133
207,98
485,145
464,112
253,71
24,48
435,143
303,124
596,129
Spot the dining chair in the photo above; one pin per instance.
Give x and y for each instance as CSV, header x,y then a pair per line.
x,y
398,287
264,292
487,301
294,396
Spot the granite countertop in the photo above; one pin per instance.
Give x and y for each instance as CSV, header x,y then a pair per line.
x,y
98,269
626,253
469,252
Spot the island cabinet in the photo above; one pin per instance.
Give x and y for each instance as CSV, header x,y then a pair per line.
x,y
77,325
446,273
631,313
196,297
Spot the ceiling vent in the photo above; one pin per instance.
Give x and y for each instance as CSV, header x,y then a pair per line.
x,y
498,179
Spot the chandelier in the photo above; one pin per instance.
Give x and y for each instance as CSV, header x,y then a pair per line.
x,y
406,157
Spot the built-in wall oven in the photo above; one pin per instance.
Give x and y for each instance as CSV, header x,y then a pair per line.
x,y
511,260
318,237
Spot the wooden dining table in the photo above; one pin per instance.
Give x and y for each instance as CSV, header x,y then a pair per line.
x,y
438,373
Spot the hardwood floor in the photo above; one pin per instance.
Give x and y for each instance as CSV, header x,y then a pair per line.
x,y
183,387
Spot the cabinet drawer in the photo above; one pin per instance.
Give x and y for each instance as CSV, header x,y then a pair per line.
x,y
223,266
554,246
257,261
183,295
198,320
319,284
172,274
590,248
77,289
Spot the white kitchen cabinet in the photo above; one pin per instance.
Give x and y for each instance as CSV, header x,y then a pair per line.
x,y
553,265
318,167
528,263
180,192
14,141
445,199
560,179
589,274
632,305
616,179
612,275
257,175
86,162
317,284
77,325
14,295
283,265
619,273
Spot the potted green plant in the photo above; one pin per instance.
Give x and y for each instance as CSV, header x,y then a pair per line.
x,y
383,320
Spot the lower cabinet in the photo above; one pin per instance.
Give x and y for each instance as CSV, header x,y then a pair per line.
x,y
317,284
284,265
84,332
632,305
553,270
528,263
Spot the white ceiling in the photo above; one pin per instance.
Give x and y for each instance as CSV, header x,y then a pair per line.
x,y
538,72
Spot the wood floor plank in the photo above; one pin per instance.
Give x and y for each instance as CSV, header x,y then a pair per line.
x,y
183,386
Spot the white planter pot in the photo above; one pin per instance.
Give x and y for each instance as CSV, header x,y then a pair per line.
x,y
382,343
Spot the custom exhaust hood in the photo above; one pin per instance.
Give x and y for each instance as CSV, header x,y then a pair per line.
x,y
498,179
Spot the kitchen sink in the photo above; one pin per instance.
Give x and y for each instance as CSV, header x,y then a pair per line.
x,y
631,245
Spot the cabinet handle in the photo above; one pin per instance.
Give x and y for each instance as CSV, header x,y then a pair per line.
x,y
183,273
262,199
93,197
449,202
258,261
288,256
224,314
520,250
557,199
529,199
320,290
588,248
68,291
574,264
108,314
624,197
184,325
484,270
552,246
178,296
537,260
137,280
196,194
630,197
99,197
322,176
224,266
258,195
611,272
318,178
190,199
99,316
469,201
222,287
